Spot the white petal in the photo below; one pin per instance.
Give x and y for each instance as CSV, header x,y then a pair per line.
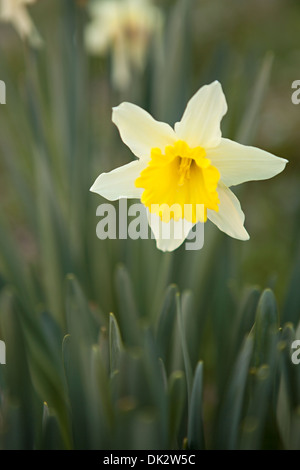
x,y
119,183
230,218
171,235
140,131
239,163
103,27
97,38
200,123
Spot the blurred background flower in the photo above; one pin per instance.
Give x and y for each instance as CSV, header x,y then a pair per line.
x,y
15,12
124,29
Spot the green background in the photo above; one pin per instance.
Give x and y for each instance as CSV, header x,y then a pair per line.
x,y
113,344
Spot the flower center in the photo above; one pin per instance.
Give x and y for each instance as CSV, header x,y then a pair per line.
x,y
179,183
184,170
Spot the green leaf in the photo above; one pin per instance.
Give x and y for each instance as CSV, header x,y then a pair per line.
x,y
254,423
266,326
250,120
177,401
100,414
291,306
185,352
234,399
288,395
128,313
51,438
21,399
81,324
195,416
115,344
165,323
171,82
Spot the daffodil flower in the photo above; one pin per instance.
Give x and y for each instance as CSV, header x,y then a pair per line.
x,y
15,12
191,164
124,28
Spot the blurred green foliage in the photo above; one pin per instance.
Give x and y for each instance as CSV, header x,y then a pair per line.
x,y
196,353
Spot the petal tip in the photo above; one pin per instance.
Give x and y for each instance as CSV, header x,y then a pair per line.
x,y
216,84
92,188
116,109
119,106
282,162
243,235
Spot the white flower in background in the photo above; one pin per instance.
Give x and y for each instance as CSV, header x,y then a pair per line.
x,y
192,164
124,28
15,12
